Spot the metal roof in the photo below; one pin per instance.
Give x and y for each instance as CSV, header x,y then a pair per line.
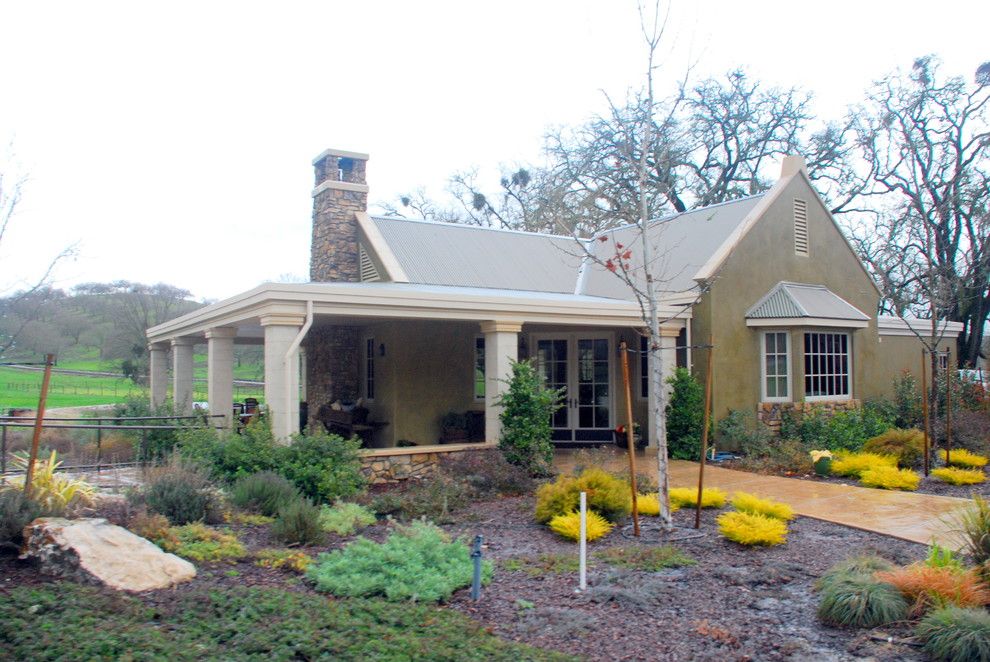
x,y
790,300
433,253
681,244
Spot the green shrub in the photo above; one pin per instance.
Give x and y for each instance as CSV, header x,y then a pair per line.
x,y
16,512
685,416
528,406
740,430
230,456
857,600
908,446
345,518
907,401
265,492
956,634
487,472
197,542
151,445
607,495
973,525
298,523
182,493
844,430
325,467
416,563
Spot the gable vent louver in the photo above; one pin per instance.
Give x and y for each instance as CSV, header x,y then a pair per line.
x,y
368,270
800,226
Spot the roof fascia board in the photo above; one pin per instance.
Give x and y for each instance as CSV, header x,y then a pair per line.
x,y
807,321
900,326
381,248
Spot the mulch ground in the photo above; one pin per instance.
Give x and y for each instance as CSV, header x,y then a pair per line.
x,y
737,603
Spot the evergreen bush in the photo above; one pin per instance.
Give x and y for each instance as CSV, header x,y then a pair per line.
x,y
16,512
685,416
182,493
527,409
265,492
298,523
345,518
908,446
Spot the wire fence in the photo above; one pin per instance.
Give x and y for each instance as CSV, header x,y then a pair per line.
x,y
120,391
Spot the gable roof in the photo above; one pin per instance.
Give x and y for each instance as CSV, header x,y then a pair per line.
x,y
797,300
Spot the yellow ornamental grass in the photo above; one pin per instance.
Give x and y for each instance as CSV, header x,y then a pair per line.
x,y
649,505
711,497
961,457
569,525
53,491
890,478
955,476
752,529
750,503
854,464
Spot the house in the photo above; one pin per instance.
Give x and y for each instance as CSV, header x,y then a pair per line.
x,y
419,318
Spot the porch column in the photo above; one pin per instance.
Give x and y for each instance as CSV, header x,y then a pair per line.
x,y
501,349
182,375
220,373
668,359
158,374
282,373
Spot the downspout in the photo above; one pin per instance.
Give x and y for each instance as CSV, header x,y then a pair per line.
x,y
293,347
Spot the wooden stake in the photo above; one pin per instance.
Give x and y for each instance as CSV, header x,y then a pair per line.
x,y
38,421
630,441
704,433
924,410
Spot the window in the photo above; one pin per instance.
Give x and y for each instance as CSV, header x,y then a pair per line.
x,y
776,367
369,369
479,368
826,366
943,360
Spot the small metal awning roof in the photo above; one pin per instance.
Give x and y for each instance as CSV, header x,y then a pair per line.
x,y
809,305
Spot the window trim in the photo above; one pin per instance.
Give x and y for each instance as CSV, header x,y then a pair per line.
x,y
763,367
474,368
849,367
368,369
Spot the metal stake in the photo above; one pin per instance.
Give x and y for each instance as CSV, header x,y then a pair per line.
x,y
948,405
39,420
704,434
630,442
476,582
924,411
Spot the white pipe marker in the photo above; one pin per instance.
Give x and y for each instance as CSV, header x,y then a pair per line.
x,y
584,541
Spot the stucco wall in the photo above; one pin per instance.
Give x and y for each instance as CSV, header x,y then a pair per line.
x,y
898,354
763,258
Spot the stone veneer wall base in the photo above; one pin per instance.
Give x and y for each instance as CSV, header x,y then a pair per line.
x,y
771,414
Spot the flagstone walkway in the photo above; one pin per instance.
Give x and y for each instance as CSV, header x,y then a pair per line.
x,y
906,515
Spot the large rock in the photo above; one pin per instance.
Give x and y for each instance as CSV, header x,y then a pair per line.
x,y
93,551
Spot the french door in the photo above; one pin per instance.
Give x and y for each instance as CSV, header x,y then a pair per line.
x,y
579,364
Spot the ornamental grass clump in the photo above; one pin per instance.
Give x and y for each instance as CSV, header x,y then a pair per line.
x,y
906,445
890,478
750,503
711,497
926,587
53,492
862,565
859,600
569,526
853,465
973,526
961,457
957,476
418,562
956,634
750,529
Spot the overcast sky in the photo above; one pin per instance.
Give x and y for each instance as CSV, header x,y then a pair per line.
x,y
173,141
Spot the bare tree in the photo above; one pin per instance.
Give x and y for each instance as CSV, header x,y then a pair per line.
x,y
925,145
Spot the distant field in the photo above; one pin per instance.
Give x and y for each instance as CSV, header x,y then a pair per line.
x,y
21,388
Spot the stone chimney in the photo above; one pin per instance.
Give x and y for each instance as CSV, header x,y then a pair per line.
x,y
341,190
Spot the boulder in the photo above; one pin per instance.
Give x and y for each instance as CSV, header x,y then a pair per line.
x,y
93,551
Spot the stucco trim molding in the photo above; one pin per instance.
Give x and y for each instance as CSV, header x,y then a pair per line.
x,y
381,248
342,153
807,321
495,326
340,186
896,326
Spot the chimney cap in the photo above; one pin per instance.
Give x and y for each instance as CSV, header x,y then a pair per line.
x,y
791,165
340,153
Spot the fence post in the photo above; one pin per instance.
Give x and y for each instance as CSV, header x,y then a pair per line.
x,y
99,443
3,454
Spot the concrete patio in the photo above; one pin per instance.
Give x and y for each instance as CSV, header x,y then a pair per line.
x,y
909,516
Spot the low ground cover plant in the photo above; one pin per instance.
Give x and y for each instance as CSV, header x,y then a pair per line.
x,y
752,529
345,518
750,503
299,523
960,457
711,497
645,558
853,465
890,478
290,560
906,445
955,634
418,562
536,566
957,476
247,519
198,542
568,525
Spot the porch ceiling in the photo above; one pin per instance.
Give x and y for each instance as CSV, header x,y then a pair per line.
x,y
350,302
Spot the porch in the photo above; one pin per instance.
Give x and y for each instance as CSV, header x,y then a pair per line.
x,y
411,354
